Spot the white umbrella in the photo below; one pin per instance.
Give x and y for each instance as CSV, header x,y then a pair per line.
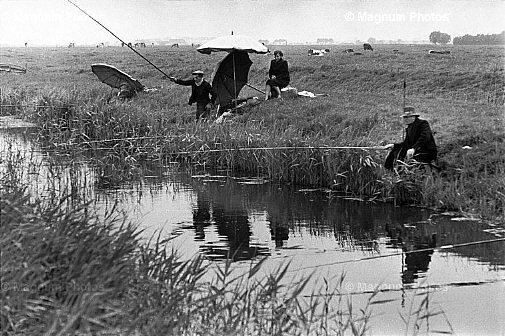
x,y
231,43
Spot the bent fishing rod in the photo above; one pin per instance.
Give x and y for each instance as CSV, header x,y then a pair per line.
x,y
124,43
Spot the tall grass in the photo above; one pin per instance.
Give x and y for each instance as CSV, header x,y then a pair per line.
x,y
131,135
459,95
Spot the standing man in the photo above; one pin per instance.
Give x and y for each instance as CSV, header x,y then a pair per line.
x,y
418,144
200,92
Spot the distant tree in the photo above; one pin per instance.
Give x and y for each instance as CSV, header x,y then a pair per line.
x,y
372,40
480,39
438,37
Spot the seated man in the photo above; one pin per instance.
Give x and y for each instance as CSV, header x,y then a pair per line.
x,y
126,91
418,144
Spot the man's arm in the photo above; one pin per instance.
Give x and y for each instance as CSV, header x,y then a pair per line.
x,y
185,82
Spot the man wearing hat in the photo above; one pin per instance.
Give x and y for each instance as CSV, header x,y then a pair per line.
x,y
418,144
200,91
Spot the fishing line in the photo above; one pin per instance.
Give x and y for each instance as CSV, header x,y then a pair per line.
x,y
227,149
109,140
400,288
277,148
444,247
124,43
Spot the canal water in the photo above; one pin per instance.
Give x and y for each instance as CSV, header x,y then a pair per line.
x,y
317,233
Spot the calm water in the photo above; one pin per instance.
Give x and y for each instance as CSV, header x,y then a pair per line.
x,y
319,234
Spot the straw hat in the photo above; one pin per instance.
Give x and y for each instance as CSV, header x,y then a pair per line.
x,y
409,111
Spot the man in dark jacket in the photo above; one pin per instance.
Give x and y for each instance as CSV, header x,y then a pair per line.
x,y
200,91
418,144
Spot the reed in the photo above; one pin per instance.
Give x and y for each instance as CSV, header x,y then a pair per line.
x,y
67,271
362,107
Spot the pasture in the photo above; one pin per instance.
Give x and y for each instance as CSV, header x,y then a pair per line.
x,y
461,94
90,275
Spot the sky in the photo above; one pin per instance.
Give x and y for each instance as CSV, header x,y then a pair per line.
x,y
59,22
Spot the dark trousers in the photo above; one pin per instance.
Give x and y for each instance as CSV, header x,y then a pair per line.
x,y
201,110
399,153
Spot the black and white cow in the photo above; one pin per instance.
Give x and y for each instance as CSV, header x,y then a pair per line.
x,y
442,52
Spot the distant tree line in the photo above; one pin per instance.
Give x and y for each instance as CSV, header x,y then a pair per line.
x,y
480,39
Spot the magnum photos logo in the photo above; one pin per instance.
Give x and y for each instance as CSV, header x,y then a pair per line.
x,y
378,18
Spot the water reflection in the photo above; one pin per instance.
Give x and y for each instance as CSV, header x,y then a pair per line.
x,y
417,247
288,213
243,219
230,216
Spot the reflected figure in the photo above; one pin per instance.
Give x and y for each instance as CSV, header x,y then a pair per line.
x,y
201,217
217,206
415,263
235,226
279,233
410,239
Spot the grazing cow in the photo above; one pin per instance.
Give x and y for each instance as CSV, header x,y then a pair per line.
x,y
129,44
348,51
439,52
315,52
367,46
71,45
100,45
139,44
175,45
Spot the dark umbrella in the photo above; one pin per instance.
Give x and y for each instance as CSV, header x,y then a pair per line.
x,y
230,76
237,46
115,78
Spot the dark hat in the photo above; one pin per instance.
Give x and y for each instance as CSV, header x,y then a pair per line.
x,y
198,72
409,111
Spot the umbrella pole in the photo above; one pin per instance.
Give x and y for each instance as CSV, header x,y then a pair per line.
x,y
234,81
255,88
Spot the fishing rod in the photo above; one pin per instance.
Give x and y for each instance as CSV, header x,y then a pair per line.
x,y
404,89
124,43
403,109
443,247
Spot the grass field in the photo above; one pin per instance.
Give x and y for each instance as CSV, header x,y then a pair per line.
x,y
461,94
67,272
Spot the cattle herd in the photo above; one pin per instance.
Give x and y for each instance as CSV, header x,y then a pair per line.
x,y
310,52
321,52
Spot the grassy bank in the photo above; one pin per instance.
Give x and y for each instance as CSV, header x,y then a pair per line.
x,y
460,94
